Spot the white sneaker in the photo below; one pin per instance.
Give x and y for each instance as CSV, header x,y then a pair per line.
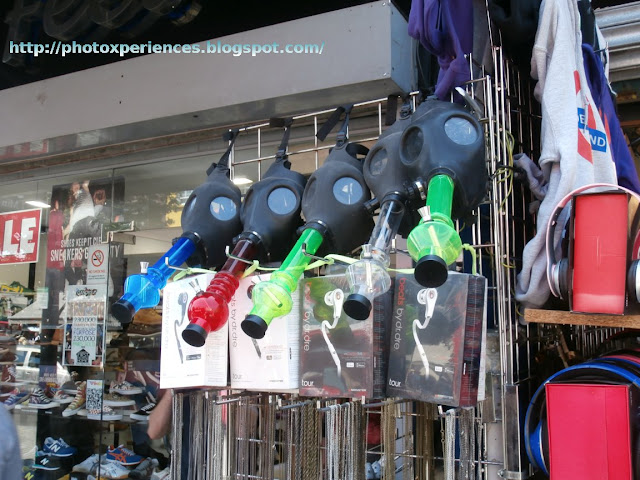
x,y
107,413
163,475
124,388
117,400
113,470
90,465
62,398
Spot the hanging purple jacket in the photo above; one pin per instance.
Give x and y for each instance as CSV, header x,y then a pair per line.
x,y
445,28
599,86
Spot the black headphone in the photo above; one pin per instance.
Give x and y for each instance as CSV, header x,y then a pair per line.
x,y
558,272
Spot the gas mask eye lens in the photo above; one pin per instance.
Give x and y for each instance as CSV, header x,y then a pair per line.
x,y
347,191
378,162
460,130
282,201
223,208
412,145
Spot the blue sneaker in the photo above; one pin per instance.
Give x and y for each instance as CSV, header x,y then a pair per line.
x,y
58,448
16,398
123,456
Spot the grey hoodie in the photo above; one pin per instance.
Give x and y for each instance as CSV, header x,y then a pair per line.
x,y
575,150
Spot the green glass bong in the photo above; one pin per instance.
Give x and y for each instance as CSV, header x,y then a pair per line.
x,y
436,154
333,205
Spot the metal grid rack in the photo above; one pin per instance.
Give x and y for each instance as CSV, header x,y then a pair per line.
x,y
264,436
267,436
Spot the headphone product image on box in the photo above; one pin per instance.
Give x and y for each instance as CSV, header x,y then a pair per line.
x,y
559,272
333,299
428,297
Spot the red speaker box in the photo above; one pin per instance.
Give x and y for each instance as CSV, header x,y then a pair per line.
x,y
598,272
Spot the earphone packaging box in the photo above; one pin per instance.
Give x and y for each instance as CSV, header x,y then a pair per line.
x,y
438,339
182,365
268,364
340,356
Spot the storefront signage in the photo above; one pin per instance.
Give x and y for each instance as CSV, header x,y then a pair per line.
x,y
20,236
84,325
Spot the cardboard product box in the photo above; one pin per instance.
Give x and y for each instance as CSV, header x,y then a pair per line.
x,y
269,364
340,356
182,365
438,357
592,433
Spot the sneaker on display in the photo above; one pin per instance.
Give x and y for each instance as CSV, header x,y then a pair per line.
x,y
112,470
58,448
33,474
107,413
117,400
113,324
88,465
144,470
71,386
78,402
16,397
39,399
143,414
144,330
45,461
60,396
147,316
124,388
162,475
123,455
8,377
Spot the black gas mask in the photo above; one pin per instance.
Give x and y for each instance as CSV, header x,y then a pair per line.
x,y
210,220
270,216
333,206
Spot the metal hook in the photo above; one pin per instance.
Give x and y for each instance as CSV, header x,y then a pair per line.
x,y
243,260
166,262
329,261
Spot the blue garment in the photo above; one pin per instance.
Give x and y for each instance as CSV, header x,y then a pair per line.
x,y
10,458
445,28
599,86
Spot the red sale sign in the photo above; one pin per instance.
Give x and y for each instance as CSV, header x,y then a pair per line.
x,y
20,236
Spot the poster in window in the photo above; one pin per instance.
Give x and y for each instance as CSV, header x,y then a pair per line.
x,y
84,325
79,212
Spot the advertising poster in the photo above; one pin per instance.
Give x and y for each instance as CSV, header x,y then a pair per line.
x,y
84,325
84,337
79,213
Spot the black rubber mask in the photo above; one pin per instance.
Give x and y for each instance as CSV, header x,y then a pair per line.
x,y
271,210
383,171
445,138
334,199
211,216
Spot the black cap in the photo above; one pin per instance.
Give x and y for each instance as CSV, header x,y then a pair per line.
x,y
254,326
357,306
123,310
431,271
194,335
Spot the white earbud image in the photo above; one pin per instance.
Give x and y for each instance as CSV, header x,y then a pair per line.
x,y
428,297
333,298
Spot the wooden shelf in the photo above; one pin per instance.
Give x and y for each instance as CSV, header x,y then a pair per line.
x,y
533,315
